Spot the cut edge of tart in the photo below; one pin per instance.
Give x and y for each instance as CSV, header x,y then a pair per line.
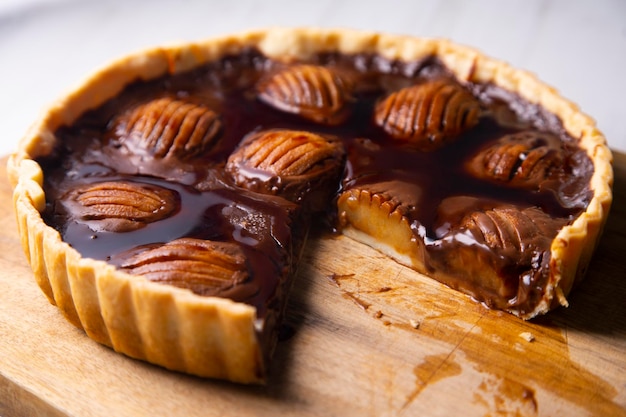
x,y
216,337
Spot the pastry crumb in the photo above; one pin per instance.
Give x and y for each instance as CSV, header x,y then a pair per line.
x,y
414,323
528,336
378,314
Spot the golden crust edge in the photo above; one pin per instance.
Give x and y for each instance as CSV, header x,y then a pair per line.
x,y
163,325
95,289
574,245
574,242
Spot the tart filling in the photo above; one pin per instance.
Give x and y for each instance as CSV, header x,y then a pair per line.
x,y
163,204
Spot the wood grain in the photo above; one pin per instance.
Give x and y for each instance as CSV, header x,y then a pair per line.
x,y
364,337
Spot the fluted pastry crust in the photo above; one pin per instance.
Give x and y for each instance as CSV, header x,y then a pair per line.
x,y
212,336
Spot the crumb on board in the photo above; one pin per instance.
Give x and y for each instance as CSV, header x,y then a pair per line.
x,y
527,336
414,323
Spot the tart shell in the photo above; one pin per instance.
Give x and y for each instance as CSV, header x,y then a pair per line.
x,y
216,337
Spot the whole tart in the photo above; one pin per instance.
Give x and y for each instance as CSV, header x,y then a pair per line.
x,y
163,203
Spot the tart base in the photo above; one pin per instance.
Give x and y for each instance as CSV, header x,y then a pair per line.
x,y
213,337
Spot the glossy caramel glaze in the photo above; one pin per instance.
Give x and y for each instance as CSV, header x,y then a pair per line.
x,y
214,203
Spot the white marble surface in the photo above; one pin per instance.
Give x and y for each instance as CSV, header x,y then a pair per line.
x,y
578,46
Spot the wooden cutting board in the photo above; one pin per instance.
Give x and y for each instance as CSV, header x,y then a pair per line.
x,y
366,337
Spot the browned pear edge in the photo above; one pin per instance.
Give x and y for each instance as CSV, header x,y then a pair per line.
x,y
215,337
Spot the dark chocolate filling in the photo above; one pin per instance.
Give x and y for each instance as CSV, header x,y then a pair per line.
x,y
270,229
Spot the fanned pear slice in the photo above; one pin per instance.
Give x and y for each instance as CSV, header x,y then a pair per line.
x,y
215,337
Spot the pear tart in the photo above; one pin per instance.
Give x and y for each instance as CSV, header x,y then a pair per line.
x,y
164,203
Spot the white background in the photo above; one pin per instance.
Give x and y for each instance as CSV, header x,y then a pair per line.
x,y
577,46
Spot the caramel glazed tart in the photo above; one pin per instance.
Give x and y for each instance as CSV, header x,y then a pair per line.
x,y
213,336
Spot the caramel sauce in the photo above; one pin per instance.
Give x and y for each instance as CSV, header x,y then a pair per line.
x,y
271,229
